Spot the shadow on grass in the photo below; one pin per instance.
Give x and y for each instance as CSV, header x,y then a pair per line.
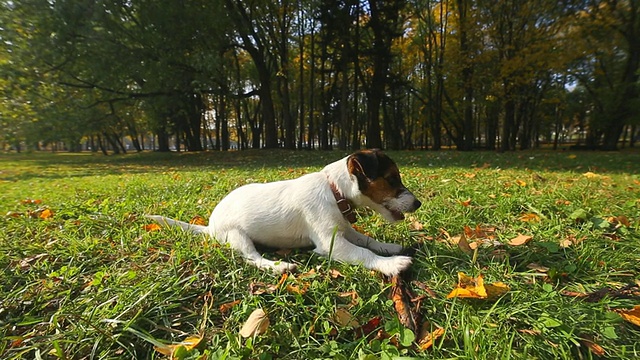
x,y
21,167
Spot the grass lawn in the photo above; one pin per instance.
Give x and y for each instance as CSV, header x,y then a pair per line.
x,y
83,277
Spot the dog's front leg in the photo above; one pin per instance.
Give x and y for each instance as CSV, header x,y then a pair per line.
x,y
344,250
370,243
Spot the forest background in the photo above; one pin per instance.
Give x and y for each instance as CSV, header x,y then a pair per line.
x,y
114,75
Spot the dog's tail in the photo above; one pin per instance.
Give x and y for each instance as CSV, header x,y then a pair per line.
x,y
196,229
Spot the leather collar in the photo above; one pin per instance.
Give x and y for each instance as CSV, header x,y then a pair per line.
x,y
345,206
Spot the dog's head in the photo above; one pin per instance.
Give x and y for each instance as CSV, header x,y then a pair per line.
x,y
379,181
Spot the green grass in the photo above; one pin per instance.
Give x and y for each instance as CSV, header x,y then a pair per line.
x,y
91,282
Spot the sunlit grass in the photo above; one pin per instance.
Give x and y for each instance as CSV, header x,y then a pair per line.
x,y
91,282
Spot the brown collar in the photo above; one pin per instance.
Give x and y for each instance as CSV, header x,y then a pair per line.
x,y
343,204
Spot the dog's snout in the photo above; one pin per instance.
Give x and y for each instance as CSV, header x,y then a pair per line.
x,y
416,204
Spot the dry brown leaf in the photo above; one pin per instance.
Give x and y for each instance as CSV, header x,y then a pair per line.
x,y
335,273
256,324
593,347
26,263
402,304
537,267
530,331
416,226
632,316
343,318
228,306
352,294
198,220
31,201
466,203
297,289
520,240
189,344
462,243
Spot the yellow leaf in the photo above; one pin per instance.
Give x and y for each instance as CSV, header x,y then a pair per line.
x,y
572,156
151,227
521,183
529,217
296,289
496,289
632,316
189,344
469,287
426,342
46,214
256,324
520,240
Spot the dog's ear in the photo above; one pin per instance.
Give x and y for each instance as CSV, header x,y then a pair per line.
x,y
364,165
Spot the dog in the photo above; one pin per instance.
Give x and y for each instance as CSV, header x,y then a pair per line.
x,y
314,210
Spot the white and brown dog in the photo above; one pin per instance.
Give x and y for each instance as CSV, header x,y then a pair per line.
x,y
314,210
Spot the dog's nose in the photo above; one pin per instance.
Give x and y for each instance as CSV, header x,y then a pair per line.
x,y
416,204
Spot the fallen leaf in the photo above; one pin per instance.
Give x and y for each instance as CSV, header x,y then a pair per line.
x,y
537,267
520,240
335,273
462,243
622,220
566,243
469,287
425,288
470,175
593,347
228,306
496,289
530,331
189,344
31,201
256,324
521,183
297,289
198,220
46,214
369,327
529,217
26,263
352,294
151,227
632,316
427,341
466,202
401,303
572,156
343,318
416,226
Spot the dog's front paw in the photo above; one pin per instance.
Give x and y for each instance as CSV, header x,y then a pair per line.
x,y
393,265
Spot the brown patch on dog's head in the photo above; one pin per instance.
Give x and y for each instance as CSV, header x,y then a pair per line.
x,y
379,179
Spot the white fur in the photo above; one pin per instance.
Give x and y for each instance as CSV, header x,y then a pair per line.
x,y
299,213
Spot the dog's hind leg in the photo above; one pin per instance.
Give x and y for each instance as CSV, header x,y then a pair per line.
x,y
370,243
240,242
